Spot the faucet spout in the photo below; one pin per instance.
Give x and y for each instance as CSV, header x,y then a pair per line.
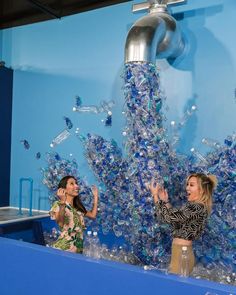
x,y
156,35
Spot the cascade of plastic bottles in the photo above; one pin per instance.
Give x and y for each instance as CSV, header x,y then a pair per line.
x,y
126,207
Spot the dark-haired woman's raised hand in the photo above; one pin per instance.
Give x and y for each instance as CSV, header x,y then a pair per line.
x,y
61,193
95,193
93,213
59,215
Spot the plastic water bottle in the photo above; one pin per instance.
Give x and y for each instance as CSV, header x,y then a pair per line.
x,y
184,262
88,244
54,233
149,267
95,246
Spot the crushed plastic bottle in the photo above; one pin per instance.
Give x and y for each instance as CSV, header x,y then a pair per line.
x,y
60,138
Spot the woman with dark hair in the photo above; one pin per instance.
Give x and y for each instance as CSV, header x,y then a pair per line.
x,y
188,222
69,213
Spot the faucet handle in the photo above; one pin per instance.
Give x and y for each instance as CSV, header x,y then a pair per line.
x,y
155,3
170,2
141,6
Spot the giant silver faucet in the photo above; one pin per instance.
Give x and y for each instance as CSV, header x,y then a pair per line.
x,y
156,35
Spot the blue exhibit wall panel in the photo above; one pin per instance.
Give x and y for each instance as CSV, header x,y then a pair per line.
x,y
40,270
84,54
6,82
75,60
0,45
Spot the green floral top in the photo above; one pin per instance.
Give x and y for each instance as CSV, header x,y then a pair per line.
x,y
71,237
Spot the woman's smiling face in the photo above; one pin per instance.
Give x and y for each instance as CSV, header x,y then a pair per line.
x,y
193,189
72,187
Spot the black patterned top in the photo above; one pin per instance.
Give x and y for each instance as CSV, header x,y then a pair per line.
x,y
187,222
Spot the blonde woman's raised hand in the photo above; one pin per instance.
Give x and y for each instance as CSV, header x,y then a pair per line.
x,y
163,195
154,188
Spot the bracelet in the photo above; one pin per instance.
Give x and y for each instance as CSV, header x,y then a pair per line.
x,y
166,202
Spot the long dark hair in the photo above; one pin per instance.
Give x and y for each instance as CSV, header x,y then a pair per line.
x,y
77,204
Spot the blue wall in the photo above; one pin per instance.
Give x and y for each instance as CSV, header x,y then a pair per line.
x,y
0,45
83,55
35,269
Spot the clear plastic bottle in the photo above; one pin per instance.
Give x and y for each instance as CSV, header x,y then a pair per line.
x,y
95,246
88,244
54,233
184,262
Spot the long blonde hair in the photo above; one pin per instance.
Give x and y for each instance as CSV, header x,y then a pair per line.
x,y
207,184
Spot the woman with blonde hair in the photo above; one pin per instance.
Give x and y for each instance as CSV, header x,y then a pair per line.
x,y
189,221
